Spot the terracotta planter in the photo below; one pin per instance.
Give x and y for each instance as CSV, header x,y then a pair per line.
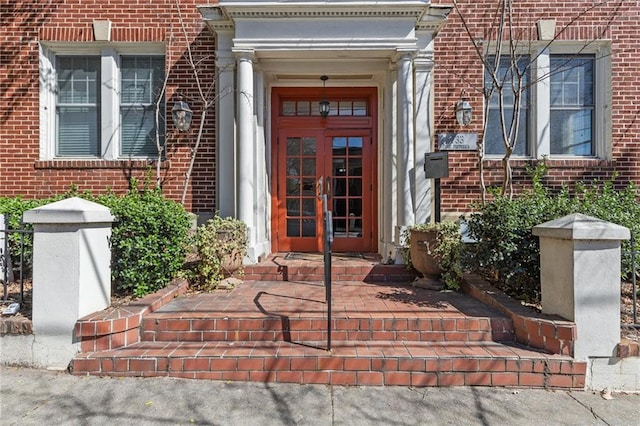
x,y
422,245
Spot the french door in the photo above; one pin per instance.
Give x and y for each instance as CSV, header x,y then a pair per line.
x,y
335,162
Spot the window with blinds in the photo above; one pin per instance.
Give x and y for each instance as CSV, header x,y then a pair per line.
x,y
78,106
142,78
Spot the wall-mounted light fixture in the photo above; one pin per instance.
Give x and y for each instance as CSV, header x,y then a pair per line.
x,y
464,111
182,115
324,103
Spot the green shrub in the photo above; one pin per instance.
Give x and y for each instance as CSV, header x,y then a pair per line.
x,y
15,207
219,241
508,254
149,240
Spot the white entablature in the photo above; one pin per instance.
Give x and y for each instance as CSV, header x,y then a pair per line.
x,y
269,27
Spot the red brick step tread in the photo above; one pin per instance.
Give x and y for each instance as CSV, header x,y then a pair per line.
x,y
349,363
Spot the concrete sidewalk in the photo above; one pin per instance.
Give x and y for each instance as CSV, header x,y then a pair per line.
x,y
37,397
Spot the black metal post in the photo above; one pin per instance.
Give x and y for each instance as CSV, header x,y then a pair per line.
x,y
326,249
634,289
5,254
436,188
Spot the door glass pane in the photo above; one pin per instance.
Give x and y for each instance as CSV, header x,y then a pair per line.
x,y
293,206
344,108
309,187
309,166
308,207
289,108
339,143
293,166
360,108
355,146
355,187
339,227
355,166
309,146
293,227
293,146
293,187
339,188
304,108
339,166
308,227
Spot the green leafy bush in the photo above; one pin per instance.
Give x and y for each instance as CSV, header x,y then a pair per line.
x,y
149,240
508,254
222,245
15,207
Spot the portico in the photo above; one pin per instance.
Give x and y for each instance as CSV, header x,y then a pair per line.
x,y
264,49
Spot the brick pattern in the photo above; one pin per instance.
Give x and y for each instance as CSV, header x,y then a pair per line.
x,y
550,333
275,268
31,22
381,335
204,328
117,327
457,69
349,363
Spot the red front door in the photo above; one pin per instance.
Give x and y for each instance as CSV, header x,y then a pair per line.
x,y
315,156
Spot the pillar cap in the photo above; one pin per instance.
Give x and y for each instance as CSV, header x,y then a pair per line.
x,y
70,210
578,226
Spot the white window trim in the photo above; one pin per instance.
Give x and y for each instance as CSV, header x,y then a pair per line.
x,y
110,54
540,98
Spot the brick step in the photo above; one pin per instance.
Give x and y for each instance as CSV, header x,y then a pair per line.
x,y
314,271
204,328
349,363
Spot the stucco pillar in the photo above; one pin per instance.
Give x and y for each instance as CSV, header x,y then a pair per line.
x,y
246,170
580,278
225,120
405,141
71,273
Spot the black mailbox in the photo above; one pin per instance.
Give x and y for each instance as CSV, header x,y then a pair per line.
x,y
436,165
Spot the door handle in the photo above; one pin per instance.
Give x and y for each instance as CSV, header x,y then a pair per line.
x,y
328,187
319,188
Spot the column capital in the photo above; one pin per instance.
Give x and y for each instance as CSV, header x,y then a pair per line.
x,y
402,55
423,62
243,54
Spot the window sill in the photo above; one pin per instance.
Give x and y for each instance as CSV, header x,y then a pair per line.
x,y
141,164
555,163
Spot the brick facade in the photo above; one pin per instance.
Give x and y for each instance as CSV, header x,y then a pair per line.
x,y
458,68
26,23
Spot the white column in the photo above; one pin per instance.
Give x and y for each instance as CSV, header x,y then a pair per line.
x,y
389,167
225,120
423,116
405,139
246,170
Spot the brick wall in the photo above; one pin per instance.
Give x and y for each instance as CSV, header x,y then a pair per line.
x,y
26,23
458,68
